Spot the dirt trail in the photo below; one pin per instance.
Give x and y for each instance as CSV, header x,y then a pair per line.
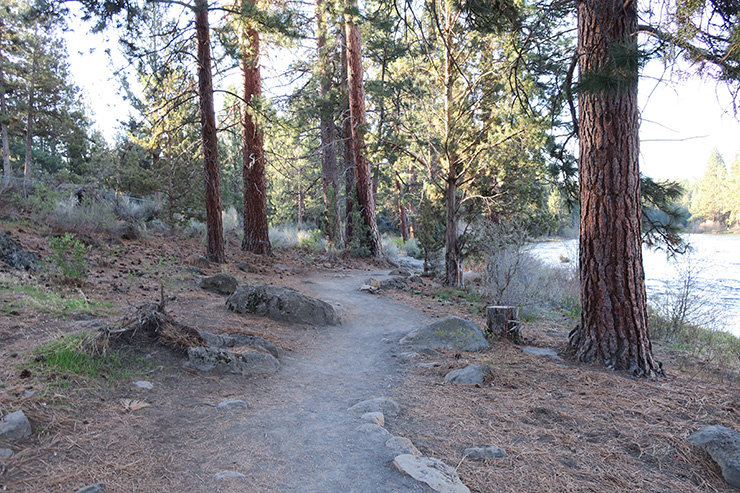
x,y
308,439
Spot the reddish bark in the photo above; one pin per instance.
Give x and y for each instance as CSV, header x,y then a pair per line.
x,y
256,232
613,328
214,227
349,157
363,178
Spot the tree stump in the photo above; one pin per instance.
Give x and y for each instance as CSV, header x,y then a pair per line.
x,y
500,320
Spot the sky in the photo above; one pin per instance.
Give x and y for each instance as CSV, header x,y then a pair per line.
x,y
682,121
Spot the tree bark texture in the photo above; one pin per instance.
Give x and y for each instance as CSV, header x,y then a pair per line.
x,y
329,176
453,264
613,329
256,231
349,157
214,227
7,169
356,90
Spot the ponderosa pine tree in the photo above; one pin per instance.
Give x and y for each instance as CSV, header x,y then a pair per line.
x,y
256,232
613,328
356,96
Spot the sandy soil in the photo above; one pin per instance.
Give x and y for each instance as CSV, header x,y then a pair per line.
x,y
565,427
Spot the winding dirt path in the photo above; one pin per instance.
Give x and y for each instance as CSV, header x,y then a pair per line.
x,y
309,441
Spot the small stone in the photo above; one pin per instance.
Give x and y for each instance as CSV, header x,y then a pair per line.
x,y
485,452
14,426
470,375
542,351
5,453
228,474
408,355
233,404
143,384
387,406
429,366
375,418
402,445
220,283
245,267
93,488
374,430
435,473
30,393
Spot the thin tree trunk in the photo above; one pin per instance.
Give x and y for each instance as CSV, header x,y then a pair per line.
x,y
613,328
329,176
7,169
363,178
30,116
214,227
256,229
402,215
453,265
349,157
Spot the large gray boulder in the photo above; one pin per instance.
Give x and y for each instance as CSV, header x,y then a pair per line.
x,y
13,255
14,426
723,445
283,304
221,283
448,333
222,361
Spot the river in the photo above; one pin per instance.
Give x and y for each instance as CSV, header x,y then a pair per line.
x,y
714,263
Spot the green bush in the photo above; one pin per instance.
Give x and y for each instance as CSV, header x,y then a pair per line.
x,y
69,256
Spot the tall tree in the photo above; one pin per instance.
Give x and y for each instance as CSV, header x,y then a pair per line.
x,y
214,227
711,202
356,94
613,328
733,191
329,175
256,232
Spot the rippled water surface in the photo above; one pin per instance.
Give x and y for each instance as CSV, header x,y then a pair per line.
x,y
714,261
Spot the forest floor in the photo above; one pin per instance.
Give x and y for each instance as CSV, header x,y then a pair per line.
x,y
564,426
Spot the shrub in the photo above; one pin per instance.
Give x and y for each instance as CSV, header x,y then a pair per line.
x,y
69,256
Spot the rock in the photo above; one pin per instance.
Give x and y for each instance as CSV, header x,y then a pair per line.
x,y
143,384
408,355
93,488
220,283
384,405
402,445
435,473
485,452
232,340
448,333
374,417
245,267
470,375
5,453
400,272
542,351
723,445
228,474
14,426
374,430
392,283
125,231
370,289
416,279
223,361
429,366
233,404
13,255
283,304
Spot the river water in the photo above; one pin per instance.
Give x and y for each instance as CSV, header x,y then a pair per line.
x,y
714,263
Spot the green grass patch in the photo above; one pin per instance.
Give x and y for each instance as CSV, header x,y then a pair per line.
x,y
71,355
48,301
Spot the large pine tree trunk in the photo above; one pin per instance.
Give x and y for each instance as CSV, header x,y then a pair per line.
x,y
613,328
329,176
214,227
256,231
363,178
